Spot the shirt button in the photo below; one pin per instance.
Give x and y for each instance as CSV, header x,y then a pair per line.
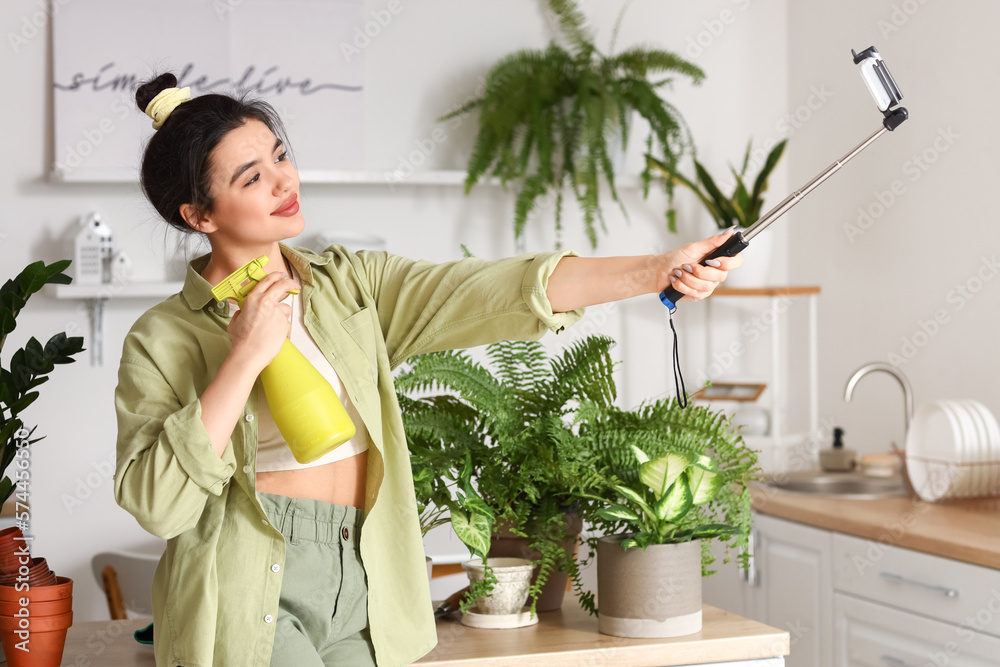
x,y
268,618
249,418
346,533
275,568
220,305
246,469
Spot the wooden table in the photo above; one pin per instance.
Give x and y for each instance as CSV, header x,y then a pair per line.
x,y
567,637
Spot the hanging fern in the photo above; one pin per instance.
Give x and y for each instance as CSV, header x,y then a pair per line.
x,y
546,117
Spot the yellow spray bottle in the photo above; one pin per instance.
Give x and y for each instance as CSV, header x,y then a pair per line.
x,y
305,408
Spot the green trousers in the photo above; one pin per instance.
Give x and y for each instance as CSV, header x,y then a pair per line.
x,y
323,611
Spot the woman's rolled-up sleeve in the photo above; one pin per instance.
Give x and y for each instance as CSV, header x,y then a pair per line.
x,y
166,466
425,307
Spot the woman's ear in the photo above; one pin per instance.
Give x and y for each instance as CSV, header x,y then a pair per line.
x,y
195,221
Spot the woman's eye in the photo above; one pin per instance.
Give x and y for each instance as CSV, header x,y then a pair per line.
x,y
283,156
252,180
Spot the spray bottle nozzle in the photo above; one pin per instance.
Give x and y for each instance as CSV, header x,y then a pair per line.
x,y
238,284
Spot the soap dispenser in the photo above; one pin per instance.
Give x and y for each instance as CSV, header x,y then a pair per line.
x,y
837,458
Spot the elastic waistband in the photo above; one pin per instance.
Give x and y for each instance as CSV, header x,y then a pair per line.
x,y
311,519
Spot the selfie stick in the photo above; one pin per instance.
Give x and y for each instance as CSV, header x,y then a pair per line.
x,y
883,89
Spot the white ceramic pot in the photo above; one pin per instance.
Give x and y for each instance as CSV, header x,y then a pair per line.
x,y
651,593
511,590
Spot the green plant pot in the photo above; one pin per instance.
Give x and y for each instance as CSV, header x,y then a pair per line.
x,y
506,544
651,593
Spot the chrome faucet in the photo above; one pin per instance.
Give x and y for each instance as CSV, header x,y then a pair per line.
x,y
894,372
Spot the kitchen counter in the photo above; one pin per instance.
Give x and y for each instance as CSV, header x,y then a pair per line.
x,y
963,530
561,639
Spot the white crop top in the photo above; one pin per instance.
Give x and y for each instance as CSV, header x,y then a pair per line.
x,y
272,450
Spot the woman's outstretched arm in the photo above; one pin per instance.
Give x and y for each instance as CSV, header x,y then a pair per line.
x,y
578,282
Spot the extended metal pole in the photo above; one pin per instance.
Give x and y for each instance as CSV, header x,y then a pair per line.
x,y
794,198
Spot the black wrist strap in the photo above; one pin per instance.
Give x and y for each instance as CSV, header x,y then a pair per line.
x,y
682,399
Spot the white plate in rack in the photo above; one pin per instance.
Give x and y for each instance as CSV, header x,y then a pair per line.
x,y
932,436
990,447
963,480
977,457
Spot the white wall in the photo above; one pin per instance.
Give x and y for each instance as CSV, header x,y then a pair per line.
x,y
886,278
746,94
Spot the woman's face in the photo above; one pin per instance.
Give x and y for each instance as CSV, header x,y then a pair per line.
x,y
252,178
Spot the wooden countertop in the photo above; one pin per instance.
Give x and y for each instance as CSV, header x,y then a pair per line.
x,y
562,638
569,637
963,530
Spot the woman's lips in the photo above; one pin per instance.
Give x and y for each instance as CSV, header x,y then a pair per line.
x,y
289,207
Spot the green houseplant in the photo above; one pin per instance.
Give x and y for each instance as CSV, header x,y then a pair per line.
x,y
514,422
548,118
674,478
29,366
742,207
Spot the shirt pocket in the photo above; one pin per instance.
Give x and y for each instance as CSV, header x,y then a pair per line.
x,y
361,329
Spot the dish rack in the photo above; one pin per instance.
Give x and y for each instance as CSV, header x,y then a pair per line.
x,y
953,451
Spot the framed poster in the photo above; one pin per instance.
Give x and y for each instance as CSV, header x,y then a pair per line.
x,y
287,52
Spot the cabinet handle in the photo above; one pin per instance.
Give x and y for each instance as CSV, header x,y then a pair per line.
x,y
899,579
753,574
893,660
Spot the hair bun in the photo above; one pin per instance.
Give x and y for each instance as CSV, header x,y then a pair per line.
x,y
150,89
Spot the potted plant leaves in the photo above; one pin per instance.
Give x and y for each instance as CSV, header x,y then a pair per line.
x,y
743,206
675,478
515,419
48,602
553,118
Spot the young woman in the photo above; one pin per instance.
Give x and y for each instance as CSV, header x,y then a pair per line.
x,y
269,561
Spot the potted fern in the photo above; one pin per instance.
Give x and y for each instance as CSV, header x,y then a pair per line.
x,y
554,118
674,478
515,419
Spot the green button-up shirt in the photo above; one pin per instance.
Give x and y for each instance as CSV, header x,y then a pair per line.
x,y
215,593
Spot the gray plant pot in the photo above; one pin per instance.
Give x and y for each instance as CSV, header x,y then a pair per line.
x,y
651,593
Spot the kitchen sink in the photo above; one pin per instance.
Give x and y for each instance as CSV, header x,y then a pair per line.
x,y
843,484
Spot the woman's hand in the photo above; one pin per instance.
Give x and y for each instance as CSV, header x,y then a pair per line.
x,y
682,271
259,329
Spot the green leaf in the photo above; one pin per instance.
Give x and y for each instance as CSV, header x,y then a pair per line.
x,y
639,454
634,497
713,531
760,184
704,484
619,513
478,506
660,474
474,530
676,502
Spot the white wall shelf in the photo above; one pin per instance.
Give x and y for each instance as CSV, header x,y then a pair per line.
x,y
98,295
776,437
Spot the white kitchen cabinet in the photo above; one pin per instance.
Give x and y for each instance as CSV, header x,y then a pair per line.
x,y
876,635
788,586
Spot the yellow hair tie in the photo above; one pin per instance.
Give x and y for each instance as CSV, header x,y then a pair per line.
x,y
160,107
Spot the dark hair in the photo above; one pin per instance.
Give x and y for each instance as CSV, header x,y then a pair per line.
x,y
175,163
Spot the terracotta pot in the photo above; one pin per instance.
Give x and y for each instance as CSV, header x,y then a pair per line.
x,y
651,593
39,574
36,607
63,588
44,637
505,544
